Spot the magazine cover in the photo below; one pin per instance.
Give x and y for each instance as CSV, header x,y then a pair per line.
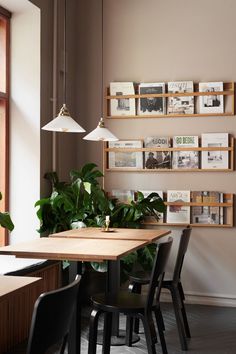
x,y
211,103
151,105
157,159
215,159
206,214
122,106
178,213
125,159
185,159
181,104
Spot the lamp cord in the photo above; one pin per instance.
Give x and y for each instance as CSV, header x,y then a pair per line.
x,y
64,59
102,67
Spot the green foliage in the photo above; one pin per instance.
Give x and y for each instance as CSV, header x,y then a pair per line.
x,y
5,219
82,199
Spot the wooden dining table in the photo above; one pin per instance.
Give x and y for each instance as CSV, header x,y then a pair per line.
x,y
89,244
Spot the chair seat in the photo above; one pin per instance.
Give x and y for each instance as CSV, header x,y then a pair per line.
x,y
140,277
123,301
143,277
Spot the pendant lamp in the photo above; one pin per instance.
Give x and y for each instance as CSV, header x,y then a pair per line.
x,y
64,122
101,133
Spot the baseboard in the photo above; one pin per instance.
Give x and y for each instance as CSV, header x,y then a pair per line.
x,y
203,299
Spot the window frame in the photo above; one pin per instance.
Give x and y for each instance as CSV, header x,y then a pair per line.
x,y
5,15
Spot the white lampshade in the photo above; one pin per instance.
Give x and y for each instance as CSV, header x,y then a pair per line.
x,y
64,123
101,133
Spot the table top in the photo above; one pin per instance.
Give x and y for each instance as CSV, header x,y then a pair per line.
x,y
9,284
73,249
114,234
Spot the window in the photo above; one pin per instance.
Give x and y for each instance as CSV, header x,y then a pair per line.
x,y
4,113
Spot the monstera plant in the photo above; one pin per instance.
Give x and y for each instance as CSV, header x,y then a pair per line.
x,y
83,200
5,219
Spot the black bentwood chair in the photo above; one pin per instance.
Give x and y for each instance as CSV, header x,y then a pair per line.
x,y
133,306
174,285
51,319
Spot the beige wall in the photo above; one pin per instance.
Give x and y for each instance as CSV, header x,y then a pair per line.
x,y
164,40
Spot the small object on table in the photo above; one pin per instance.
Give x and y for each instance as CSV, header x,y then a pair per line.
x,y
107,223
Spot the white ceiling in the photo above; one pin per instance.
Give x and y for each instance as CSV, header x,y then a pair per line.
x,y
15,5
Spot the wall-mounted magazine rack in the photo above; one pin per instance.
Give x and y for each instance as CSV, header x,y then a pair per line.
x,y
228,93
226,208
230,149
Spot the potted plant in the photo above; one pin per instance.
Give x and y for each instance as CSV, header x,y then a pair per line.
x,y
83,200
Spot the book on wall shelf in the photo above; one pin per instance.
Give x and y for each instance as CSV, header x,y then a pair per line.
x,y
122,106
207,214
180,104
126,159
215,159
185,159
151,105
157,159
211,103
160,215
178,214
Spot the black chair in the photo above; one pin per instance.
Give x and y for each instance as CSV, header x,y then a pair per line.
x,y
51,320
133,306
174,285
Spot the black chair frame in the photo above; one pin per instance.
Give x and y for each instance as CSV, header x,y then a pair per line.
x,y
175,287
133,306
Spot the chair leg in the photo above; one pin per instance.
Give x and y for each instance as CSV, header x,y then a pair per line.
x,y
161,328
137,289
107,333
184,315
179,320
63,347
93,330
150,333
129,331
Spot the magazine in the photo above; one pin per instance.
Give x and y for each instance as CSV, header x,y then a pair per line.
x,y
181,104
126,159
124,196
179,214
215,159
151,105
157,159
185,159
206,214
211,103
122,106
160,215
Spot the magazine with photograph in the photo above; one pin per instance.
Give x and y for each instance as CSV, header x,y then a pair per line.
x,y
125,159
157,159
178,214
151,105
206,214
122,106
185,159
123,195
160,215
211,103
215,159
181,104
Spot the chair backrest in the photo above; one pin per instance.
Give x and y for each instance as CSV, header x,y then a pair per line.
x,y
52,317
183,245
158,271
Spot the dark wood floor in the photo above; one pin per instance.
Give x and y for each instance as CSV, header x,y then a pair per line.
x,y
213,331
